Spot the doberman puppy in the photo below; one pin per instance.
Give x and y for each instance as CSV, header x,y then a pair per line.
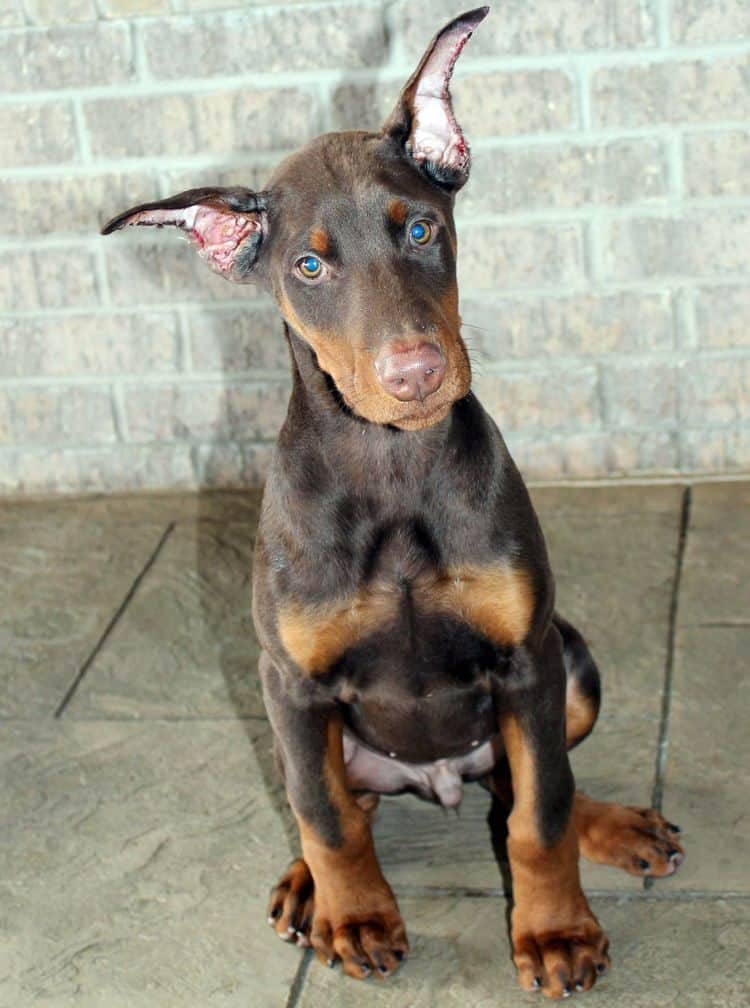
x,y
402,593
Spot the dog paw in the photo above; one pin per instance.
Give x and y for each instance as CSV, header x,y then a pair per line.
x,y
639,840
292,903
366,943
563,961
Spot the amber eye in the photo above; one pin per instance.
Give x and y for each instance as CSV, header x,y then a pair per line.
x,y
420,233
310,267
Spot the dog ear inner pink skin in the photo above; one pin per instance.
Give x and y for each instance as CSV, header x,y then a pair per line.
x,y
424,111
228,226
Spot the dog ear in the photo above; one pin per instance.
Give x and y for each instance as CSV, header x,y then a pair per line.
x,y
423,119
227,226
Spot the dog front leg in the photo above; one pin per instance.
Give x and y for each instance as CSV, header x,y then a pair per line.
x,y
558,945
355,915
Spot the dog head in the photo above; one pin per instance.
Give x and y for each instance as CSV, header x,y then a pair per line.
x,y
354,236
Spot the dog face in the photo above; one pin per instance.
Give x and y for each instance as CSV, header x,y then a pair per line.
x,y
354,236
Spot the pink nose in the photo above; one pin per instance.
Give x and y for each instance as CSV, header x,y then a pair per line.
x,y
411,374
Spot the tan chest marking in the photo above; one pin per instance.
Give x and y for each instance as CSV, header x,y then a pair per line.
x,y
317,636
496,601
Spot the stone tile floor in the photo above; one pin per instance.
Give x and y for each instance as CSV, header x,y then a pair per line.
x,y
142,823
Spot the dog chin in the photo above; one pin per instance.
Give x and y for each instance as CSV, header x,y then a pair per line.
x,y
426,416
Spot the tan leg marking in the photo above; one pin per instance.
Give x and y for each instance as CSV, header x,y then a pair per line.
x,y
355,918
558,945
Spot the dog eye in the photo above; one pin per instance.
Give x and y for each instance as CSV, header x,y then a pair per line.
x,y
309,267
420,233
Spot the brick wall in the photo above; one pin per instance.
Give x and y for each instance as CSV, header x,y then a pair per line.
x,y
604,236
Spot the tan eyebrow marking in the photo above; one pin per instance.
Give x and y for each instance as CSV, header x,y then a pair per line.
x,y
319,241
398,211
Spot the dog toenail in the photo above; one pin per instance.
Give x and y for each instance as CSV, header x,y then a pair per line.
x,y
566,992
291,929
643,865
399,955
579,986
537,983
329,963
365,969
383,970
672,828
601,968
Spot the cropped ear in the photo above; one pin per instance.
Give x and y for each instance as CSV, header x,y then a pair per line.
x,y
423,119
227,226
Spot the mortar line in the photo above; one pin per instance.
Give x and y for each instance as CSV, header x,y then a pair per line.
x,y
662,748
119,612
295,991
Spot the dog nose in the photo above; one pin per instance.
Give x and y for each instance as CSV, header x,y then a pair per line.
x,y
411,374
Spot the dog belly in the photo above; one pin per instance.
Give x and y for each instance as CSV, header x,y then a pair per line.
x,y
440,780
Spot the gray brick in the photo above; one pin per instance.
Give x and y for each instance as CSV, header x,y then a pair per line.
x,y
181,412
238,340
252,176
640,395
515,101
715,392
699,21
218,123
205,411
723,316
69,56
672,92
61,414
365,106
587,456
702,243
556,327
265,41
133,8
100,470
721,450
522,401
257,411
36,207
88,345
12,15
48,278
517,257
5,433
52,12
486,104
570,175
233,465
36,134
717,164
165,269
534,27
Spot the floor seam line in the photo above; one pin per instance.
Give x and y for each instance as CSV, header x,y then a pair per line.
x,y
298,983
119,612
662,746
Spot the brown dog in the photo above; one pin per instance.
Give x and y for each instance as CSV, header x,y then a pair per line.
x,y
402,593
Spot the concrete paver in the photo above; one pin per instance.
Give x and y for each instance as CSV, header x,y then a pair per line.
x,y
664,952
135,862
63,579
708,765
185,647
140,834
